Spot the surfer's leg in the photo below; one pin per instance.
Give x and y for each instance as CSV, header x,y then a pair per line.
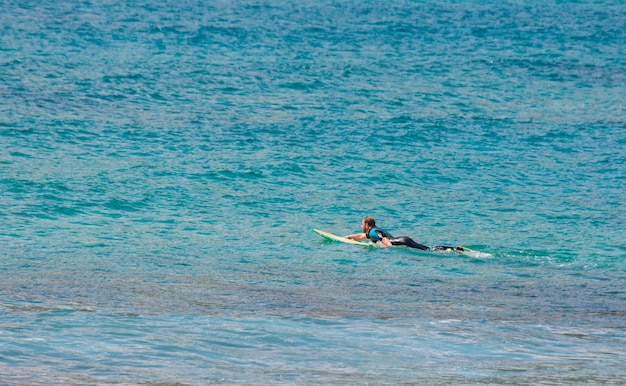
x,y
407,241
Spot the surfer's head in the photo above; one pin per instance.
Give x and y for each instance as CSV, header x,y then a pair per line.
x,y
368,223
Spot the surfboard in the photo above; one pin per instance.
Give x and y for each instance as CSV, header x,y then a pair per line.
x,y
331,236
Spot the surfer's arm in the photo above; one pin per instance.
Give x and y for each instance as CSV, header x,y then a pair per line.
x,y
356,236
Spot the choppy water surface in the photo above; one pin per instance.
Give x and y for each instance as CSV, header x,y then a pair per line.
x,y
162,165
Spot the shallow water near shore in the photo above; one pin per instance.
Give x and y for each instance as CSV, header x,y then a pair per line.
x,y
163,164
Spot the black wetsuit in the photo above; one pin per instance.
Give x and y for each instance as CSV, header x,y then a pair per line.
x,y
377,234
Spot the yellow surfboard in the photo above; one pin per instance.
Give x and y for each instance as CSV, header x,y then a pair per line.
x,y
341,239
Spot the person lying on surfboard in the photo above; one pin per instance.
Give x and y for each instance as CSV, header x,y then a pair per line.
x,y
374,234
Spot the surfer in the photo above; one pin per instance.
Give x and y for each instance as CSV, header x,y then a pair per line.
x,y
374,234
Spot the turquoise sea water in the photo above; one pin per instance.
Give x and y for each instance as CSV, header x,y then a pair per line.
x,y
162,163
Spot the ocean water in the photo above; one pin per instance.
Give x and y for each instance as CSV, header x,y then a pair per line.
x,y
162,163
